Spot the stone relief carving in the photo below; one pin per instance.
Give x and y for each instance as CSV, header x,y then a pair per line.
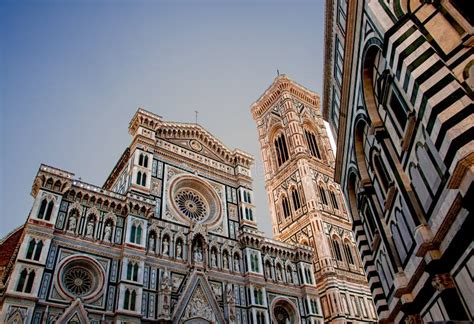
x,y
198,307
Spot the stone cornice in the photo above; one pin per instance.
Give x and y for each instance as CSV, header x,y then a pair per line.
x,y
280,85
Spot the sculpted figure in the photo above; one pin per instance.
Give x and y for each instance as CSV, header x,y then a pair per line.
x,y
197,254
151,245
166,246
225,262
236,265
90,229
72,224
213,259
107,232
179,250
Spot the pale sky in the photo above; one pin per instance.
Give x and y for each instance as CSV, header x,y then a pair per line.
x,y
73,73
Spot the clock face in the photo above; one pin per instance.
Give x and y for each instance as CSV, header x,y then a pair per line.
x,y
193,200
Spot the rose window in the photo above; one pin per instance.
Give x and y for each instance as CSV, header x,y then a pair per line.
x,y
78,281
194,200
281,315
80,277
283,312
191,204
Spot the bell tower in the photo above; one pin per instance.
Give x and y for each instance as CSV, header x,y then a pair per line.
x,y
306,205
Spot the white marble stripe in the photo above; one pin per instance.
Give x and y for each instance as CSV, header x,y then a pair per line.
x,y
454,132
448,113
410,59
395,36
430,61
406,43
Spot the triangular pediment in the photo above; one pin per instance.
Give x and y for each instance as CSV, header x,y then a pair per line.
x,y
198,304
194,137
74,314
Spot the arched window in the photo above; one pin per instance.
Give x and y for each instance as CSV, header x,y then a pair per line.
x,y
21,281
136,234
296,198
250,217
139,178
135,272
133,299
286,207
49,211
144,179
312,144
145,161
42,209
322,193
381,172
138,238
140,159
39,248
281,149
332,195
31,249
337,249
126,300
129,270
30,281
348,252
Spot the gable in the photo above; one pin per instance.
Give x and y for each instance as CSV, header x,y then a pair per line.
x,y
198,303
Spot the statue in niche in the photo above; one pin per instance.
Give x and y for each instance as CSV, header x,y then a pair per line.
x,y
152,243
225,262
236,265
213,258
72,224
90,229
197,253
107,232
179,250
279,274
268,272
166,246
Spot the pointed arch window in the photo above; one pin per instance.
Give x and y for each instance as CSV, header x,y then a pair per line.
x,y
296,198
145,161
312,144
334,203
31,248
42,209
136,234
143,179
34,249
39,248
26,280
286,207
337,249
49,211
322,193
140,159
139,178
348,252
129,300
21,281
281,149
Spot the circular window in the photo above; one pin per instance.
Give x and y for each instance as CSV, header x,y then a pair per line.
x,y
194,200
78,280
80,277
284,311
191,204
281,314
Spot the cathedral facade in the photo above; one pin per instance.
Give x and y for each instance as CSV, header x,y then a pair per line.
x,y
306,204
171,237
398,95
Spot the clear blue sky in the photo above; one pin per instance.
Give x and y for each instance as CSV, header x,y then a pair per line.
x,y
72,74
